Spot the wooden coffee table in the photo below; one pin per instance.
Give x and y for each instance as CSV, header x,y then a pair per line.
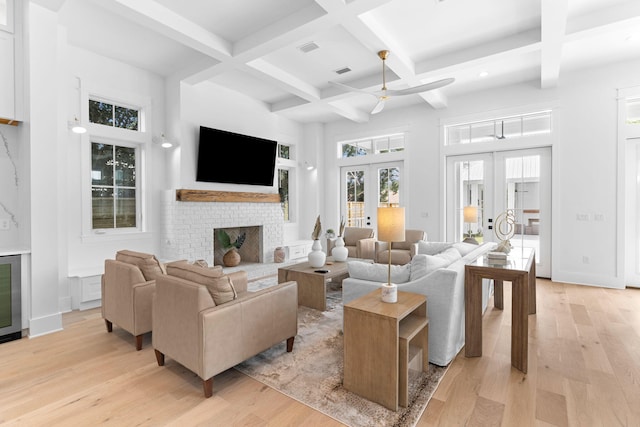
x,y
312,290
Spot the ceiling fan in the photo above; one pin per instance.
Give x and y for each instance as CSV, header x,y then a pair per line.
x,y
384,94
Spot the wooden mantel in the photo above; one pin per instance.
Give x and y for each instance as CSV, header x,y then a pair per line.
x,y
9,122
225,196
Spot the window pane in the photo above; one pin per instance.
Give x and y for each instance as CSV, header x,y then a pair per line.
x,y
283,151
389,179
100,112
102,207
633,112
101,164
125,208
125,167
126,118
283,190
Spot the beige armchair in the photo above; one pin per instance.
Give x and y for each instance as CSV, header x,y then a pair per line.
x,y
128,284
208,337
401,252
359,242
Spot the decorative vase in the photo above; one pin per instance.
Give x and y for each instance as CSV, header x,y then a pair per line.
x,y
339,252
316,256
231,258
389,293
279,254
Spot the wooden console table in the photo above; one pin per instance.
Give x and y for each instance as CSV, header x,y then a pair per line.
x,y
380,341
520,270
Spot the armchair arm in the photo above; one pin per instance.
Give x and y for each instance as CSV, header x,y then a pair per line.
x,y
366,248
379,247
413,249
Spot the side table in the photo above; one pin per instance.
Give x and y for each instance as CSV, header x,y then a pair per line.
x,y
520,270
380,341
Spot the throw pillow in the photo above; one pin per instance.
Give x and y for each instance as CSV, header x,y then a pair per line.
x,y
222,290
379,272
418,267
432,248
147,263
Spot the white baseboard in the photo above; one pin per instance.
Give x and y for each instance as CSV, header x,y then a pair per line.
x,y
45,325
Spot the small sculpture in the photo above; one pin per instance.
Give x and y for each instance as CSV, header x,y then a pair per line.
x,y
505,228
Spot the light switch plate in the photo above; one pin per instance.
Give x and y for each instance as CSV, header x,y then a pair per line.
x,y
4,224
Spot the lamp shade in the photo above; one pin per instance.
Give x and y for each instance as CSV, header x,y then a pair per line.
x,y
470,213
391,224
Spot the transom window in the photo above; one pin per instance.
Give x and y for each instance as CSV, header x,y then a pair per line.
x,y
371,146
499,129
284,151
113,186
110,114
633,112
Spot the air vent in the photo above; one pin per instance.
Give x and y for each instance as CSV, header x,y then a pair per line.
x,y
342,70
308,47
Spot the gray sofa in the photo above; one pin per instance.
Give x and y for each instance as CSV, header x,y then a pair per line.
x,y
437,272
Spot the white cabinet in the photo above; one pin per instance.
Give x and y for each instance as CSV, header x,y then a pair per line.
x,y
298,249
85,290
7,76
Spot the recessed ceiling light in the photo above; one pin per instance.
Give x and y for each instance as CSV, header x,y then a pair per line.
x,y
483,74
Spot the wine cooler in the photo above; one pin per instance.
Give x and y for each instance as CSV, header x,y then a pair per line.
x,y
10,305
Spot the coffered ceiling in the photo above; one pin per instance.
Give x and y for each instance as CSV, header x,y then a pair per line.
x,y
254,46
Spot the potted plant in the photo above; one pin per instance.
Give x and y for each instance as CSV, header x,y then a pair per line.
x,y
339,252
231,257
316,256
330,233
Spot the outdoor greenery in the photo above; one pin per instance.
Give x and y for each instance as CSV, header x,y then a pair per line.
x,y
113,115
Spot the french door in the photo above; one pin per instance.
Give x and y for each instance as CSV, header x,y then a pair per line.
x,y
517,183
632,213
364,188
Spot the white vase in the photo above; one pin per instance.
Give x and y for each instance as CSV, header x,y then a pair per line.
x,y
316,256
339,252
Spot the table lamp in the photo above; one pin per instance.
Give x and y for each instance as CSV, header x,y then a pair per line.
x,y
470,214
390,229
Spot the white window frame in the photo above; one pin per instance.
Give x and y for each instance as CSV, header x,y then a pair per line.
x,y
141,140
8,27
291,165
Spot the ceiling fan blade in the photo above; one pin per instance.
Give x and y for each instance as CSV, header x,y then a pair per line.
x,y
351,89
421,88
379,106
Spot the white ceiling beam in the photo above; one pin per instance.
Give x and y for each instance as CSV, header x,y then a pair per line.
x,y
602,18
284,80
348,112
553,28
174,26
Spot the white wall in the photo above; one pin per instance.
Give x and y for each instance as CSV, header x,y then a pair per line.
x,y
584,163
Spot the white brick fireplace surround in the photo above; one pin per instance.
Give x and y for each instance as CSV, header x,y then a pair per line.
x,y
188,226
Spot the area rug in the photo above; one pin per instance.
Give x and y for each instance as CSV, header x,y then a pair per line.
x,y
313,372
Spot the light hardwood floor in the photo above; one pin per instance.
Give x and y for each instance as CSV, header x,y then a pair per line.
x,y
584,370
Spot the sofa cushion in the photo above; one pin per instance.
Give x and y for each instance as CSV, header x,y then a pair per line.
x,y
465,248
222,290
422,264
378,272
194,273
432,248
147,263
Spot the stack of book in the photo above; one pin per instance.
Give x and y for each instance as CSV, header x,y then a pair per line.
x,y
497,258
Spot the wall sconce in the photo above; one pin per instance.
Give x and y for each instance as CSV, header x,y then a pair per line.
x,y
76,127
164,143
309,166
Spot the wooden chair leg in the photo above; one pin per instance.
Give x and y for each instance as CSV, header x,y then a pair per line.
x,y
160,358
290,344
207,385
109,325
139,342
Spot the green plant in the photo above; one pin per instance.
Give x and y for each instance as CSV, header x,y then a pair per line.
x,y
225,240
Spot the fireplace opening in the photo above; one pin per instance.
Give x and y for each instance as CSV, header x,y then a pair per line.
x,y
251,249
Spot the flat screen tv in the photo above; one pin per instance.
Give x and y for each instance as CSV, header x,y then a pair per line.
x,y
233,158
